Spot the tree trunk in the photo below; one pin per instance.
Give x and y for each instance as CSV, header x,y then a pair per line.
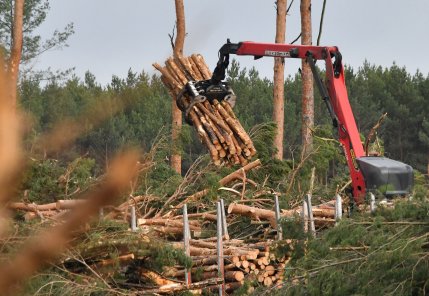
x,y
181,29
16,48
307,80
278,94
176,158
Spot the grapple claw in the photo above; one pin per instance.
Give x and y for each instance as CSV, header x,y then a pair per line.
x,y
198,91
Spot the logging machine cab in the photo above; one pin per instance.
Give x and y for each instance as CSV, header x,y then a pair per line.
x,y
368,173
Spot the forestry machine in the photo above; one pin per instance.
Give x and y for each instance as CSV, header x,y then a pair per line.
x,y
368,173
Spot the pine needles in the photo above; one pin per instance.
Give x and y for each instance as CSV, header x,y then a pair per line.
x,y
384,254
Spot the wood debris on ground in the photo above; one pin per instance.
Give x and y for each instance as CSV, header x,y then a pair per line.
x,y
248,254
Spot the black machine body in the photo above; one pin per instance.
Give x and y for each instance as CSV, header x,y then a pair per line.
x,y
199,91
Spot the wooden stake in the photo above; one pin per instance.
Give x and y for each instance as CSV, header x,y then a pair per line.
x,y
277,210
304,214
224,224
186,238
220,262
310,215
338,208
133,219
372,202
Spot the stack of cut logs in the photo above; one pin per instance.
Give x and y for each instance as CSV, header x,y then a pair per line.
x,y
242,261
216,124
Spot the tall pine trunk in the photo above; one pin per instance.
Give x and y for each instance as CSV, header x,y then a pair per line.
x,y
176,158
16,49
278,94
307,79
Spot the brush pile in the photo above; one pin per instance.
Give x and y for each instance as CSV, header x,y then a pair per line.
x,y
248,256
215,122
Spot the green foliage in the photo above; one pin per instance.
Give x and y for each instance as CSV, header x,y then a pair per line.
x,y
164,255
35,12
296,247
48,180
382,257
162,180
244,289
421,186
372,91
41,181
263,138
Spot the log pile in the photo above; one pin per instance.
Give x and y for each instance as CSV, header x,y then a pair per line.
x,y
243,261
215,122
246,258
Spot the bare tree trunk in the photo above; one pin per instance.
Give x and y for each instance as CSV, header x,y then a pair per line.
x,y
176,158
16,48
278,94
181,29
307,80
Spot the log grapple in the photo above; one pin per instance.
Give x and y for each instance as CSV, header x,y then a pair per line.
x,y
199,91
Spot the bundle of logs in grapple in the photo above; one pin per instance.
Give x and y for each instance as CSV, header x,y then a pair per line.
x,y
216,124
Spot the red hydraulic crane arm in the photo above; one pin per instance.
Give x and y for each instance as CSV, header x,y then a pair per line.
x,y
333,92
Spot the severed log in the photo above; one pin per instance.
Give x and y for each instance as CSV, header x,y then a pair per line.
x,y
123,259
230,275
211,244
176,70
175,86
317,212
180,273
203,135
168,230
234,286
269,270
168,222
31,207
70,204
204,216
40,214
208,127
198,75
176,287
323,214
59,205
212,116
186,65
208,260
229,250
234,124
253,212
268,282
202,66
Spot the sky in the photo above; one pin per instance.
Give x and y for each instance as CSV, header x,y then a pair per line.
x,y
113,36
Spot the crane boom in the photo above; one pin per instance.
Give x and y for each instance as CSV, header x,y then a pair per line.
x,y
367,173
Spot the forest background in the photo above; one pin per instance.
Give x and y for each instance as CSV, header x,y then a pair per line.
x,y
144,114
